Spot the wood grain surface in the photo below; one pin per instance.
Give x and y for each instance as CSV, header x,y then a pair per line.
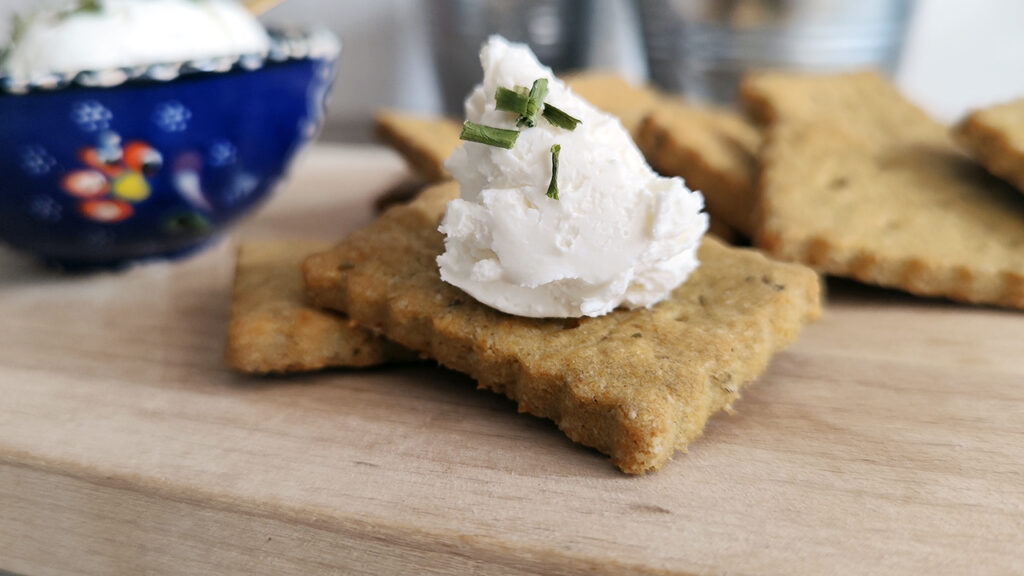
x,y
888,440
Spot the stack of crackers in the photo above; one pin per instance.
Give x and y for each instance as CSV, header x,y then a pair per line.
x,y
835,174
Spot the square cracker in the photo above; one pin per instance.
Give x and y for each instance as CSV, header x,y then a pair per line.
x,y
862,104
615,95
274,329
424,141
714,150
857,182
635,384
995,137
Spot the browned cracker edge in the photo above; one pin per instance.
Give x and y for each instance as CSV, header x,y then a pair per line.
x,y
422,160
273,330
991,148
668,155
914,275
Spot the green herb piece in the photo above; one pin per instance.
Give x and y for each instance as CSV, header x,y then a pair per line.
x,y
511,100
18,27
80,7
553,186
559,118
538,93
89,6
489,135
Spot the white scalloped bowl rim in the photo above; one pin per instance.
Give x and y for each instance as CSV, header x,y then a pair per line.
x,y
317,44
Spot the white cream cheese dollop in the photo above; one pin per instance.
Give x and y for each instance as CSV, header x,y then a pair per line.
x,y
619,234
126,33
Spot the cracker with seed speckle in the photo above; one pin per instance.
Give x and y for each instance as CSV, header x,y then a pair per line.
x,y
635,384
424,141
714,150
613,94
274,329
858,182
995,137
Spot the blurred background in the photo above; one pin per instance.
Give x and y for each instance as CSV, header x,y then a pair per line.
x,y
948,56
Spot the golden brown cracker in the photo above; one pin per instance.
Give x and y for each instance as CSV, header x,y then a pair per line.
x,y
424,141
635,384
722,231
863,104
403,191
848,191
274,329
615,95
713,150
995,138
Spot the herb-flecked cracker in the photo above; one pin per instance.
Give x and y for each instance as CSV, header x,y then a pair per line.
x,y
862,104
722,231
637,385
857,182
615,95
714,150
424,141
274,329
995,137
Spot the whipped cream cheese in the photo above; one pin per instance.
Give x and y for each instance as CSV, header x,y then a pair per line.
x,y
125,33
618,234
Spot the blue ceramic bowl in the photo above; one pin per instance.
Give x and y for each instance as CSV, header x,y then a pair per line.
x,y
118,165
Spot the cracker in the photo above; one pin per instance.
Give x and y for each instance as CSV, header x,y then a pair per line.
x,y
857,182
722,231
995,137
862,104
273,329
424,141
403,191
713,150
637,385
615,95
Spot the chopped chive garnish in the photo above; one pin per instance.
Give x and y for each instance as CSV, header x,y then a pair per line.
x,y
489,135
553,186
539,91
18,27
511,100
534,104
559,118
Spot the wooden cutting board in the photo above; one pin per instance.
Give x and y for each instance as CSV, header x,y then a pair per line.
x,y
889,439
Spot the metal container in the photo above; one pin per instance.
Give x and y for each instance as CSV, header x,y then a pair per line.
x,y
703,47
556,31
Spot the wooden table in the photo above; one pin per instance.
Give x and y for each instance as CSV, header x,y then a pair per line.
x,y
889,439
